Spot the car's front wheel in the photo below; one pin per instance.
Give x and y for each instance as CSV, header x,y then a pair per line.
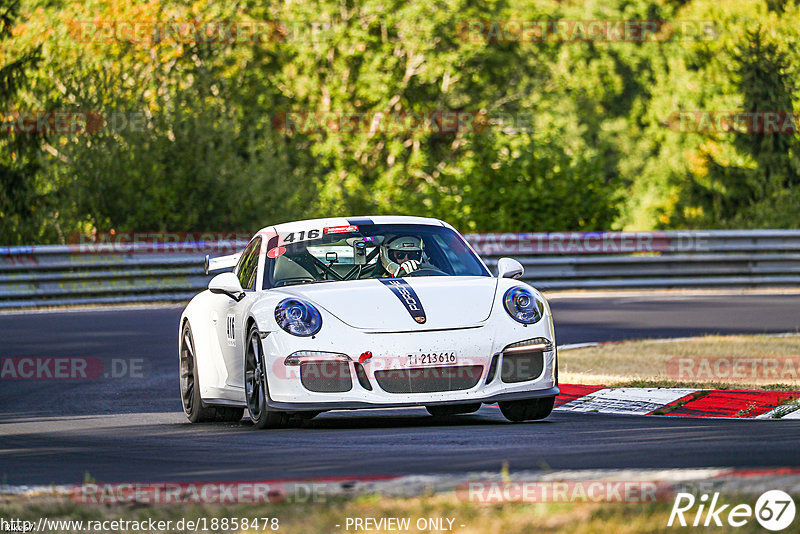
x,y
528,409
255,384
193,406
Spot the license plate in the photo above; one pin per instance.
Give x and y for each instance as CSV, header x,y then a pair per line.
x,y
432,358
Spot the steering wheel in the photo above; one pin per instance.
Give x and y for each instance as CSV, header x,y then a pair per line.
x,y
427,271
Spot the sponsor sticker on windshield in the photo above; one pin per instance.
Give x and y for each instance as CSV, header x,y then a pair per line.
x,y
340,229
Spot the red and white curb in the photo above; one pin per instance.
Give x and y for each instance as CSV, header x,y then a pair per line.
x,y
676,402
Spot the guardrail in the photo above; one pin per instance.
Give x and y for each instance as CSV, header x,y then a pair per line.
x,y
61,275
673,259
67,275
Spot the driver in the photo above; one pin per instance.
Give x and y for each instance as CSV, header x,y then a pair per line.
x,y
401,256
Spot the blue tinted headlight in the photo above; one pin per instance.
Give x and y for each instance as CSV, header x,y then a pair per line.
x,y
298,317
522,305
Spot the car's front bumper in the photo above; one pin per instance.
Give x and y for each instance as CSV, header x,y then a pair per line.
x,y
359,405
477,346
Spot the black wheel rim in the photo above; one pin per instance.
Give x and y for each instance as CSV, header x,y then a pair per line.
x,y
187,372
254,378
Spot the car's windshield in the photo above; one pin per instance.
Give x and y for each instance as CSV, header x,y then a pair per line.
x,y
368,251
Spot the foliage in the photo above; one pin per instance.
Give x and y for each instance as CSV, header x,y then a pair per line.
x,y
563,134
22,198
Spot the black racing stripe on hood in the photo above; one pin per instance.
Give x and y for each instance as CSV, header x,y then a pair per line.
x,y
357,222
407,296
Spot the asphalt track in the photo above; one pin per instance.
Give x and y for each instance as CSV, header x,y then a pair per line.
x,y
132,429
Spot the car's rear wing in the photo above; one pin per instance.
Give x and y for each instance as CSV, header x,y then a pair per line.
x,y
221,262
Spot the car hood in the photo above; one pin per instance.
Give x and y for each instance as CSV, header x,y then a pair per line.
x,y
404,304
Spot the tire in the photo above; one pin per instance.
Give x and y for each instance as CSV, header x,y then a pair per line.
x,y
255,385
452,409
193,406
528,409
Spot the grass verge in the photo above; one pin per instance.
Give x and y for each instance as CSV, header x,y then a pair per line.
x,y
710,362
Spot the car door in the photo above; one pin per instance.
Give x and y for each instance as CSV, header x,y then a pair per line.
x,y
231,322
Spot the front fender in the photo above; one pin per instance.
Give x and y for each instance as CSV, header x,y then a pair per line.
x,y
211,371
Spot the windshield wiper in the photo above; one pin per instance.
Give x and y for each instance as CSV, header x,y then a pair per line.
x,y
303,282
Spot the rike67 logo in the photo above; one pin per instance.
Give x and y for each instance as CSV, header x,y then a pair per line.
x,y
774,510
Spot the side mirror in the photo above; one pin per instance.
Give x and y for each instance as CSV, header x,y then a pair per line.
x,y
509,268
227,284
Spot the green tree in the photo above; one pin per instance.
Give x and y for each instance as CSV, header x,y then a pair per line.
x,y
763,192
22,204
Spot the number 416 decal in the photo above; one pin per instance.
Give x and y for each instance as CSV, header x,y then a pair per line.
x,y
301,236
230,330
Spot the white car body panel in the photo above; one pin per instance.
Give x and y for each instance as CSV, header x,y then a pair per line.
x,y
375,308
464,314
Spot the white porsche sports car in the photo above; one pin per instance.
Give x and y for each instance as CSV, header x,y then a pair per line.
x,y
351,313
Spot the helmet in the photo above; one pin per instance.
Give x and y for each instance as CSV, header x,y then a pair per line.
x,y
399,250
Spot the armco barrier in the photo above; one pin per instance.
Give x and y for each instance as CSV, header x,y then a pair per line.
x,y
65,275
102,274
674,259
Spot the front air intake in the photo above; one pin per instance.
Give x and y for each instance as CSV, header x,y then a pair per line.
x,y
429,379
326,376
524,360
521,366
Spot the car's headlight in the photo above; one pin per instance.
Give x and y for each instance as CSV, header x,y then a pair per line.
x,y
522,305
298,317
